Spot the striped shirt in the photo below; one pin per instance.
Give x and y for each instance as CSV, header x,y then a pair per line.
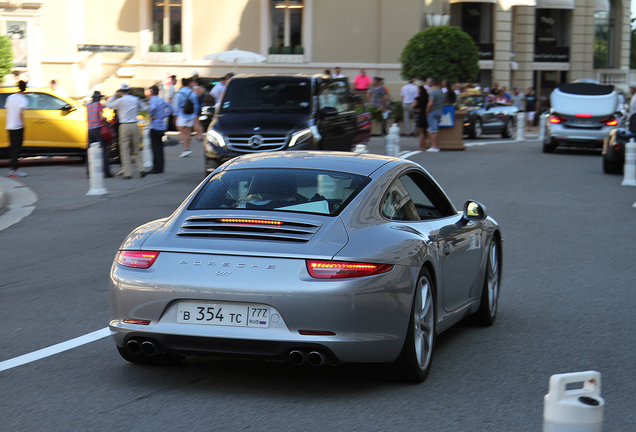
x,y
94,113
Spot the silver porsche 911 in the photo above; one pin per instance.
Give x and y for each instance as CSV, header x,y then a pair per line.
x,y
309,257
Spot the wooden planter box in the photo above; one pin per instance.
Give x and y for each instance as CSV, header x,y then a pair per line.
x,y
452,138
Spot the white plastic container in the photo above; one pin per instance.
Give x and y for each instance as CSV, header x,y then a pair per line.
x,y
574,410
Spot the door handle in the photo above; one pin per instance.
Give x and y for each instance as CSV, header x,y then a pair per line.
x,y
446,249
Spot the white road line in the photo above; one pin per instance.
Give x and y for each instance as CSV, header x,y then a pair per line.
x,y
54,349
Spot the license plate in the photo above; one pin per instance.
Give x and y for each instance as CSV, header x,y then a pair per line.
x,y
583,122
223,314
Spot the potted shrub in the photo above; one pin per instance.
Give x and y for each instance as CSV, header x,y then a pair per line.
x,y
274,50
166,48
177,48
154,48
299,50
286,50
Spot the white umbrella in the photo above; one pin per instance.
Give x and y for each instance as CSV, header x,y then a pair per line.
x,y
236,56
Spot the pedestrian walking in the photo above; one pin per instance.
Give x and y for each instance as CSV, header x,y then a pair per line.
x,y
419,107
185,108
434,111
530,108
409,92
14,111
200,91
159,109
127,107
94,113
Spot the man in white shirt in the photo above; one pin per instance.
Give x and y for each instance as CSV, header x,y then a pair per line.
x,y
632,101
409,93
337,73
15,106
127,107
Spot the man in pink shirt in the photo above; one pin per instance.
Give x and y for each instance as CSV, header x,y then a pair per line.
x,y
362,82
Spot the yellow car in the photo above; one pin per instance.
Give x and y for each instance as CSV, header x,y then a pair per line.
x,y
53,125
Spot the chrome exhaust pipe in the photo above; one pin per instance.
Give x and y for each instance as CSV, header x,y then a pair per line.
x,y
149,348
296,357
316,358
133,346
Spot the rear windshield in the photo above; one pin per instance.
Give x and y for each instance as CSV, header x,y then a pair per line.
x,y
267,94
293,190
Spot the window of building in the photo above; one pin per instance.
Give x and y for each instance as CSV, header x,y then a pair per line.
x,y
552,35
475,19
603,34
287,17
166,22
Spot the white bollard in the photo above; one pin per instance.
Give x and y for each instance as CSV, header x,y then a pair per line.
x,y
629,169
395,131
146,151
96,170
542,120
361,148
521,125
388,144
574,410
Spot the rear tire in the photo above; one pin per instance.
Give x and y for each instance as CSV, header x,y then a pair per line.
x,y
488,306
610,167
548,145
416,358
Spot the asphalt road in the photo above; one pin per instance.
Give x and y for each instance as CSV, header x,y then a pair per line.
x,y
566,305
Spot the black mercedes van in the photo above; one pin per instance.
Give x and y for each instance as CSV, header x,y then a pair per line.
x,y
265,113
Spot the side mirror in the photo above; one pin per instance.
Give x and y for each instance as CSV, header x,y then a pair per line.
x,y
474,211
68,108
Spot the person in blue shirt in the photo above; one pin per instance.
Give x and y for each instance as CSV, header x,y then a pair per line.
x,y
159,111
184,121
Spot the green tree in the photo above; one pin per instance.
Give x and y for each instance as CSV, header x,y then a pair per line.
x,y
6,56
441,52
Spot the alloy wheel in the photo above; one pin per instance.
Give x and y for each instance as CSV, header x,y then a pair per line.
x,y
424,323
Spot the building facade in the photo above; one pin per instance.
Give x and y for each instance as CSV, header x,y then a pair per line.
x,y
98,44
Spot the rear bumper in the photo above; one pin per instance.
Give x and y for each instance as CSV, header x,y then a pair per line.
x,y
577,137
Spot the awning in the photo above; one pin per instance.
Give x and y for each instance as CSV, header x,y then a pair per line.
x,y
473,1
107,48
555,4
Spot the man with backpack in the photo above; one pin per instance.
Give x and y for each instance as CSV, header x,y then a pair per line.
x,y
185,108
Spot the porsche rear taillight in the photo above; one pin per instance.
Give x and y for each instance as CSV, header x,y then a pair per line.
x,y
137,259
342,269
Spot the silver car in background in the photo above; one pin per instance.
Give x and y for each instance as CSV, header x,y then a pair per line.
x,y
582,114
306,257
